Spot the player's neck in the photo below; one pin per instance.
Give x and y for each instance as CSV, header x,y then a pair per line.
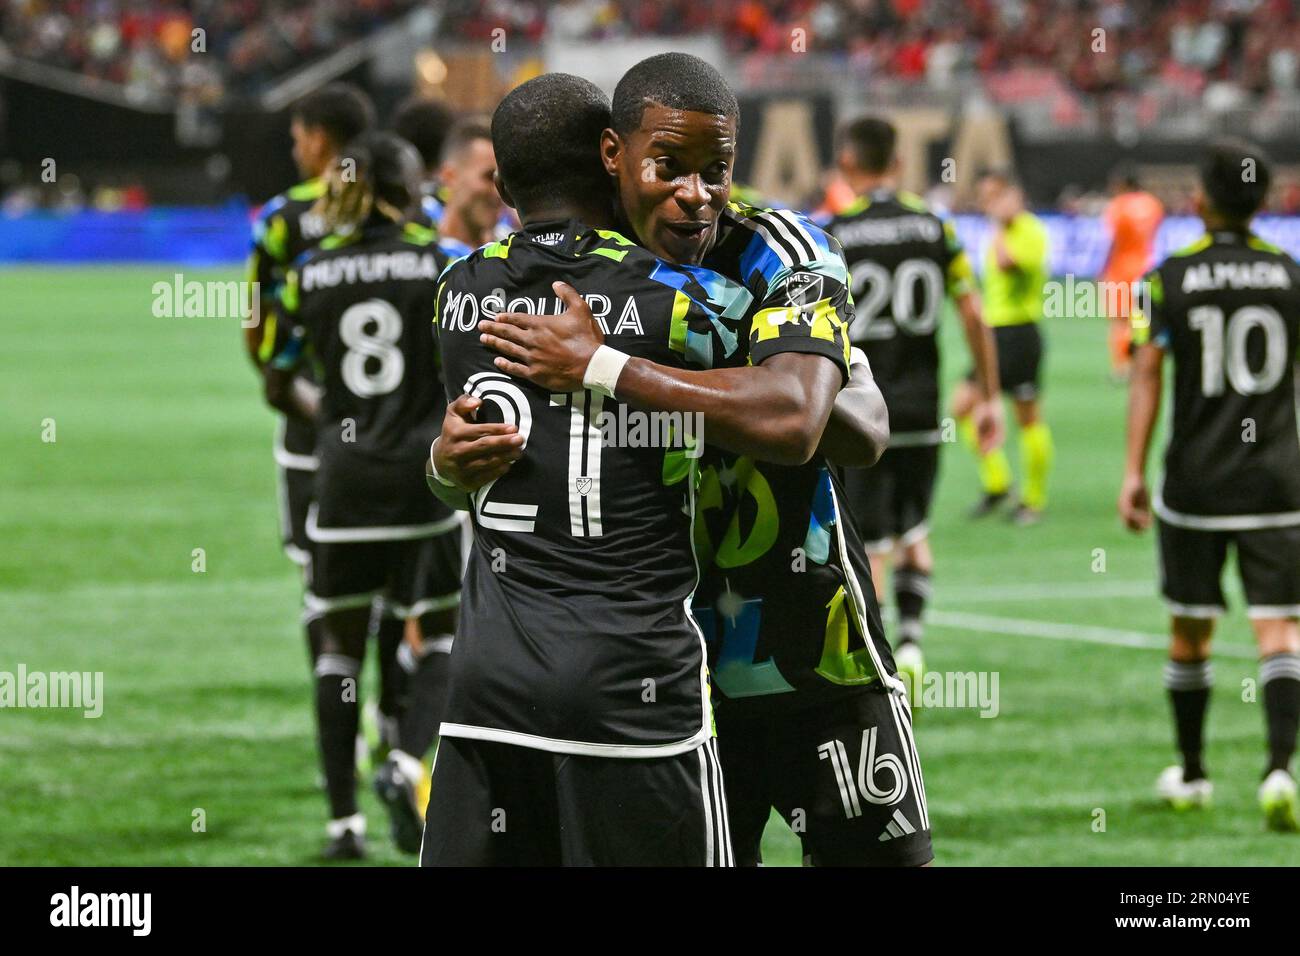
x,y
596,215
1216,223
863,184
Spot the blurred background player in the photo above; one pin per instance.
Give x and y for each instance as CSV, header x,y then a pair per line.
x,y
425,123
471,206
905,262
320,124
1132,216
1227,310
361,308
1015,271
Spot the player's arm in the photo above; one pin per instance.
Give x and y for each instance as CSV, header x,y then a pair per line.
x,y
775,411
268,253
291,394
979,340
284,389
466,455
961,285
1146,380
857,432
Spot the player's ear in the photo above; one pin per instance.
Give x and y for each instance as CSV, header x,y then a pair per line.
x,y
501,189
611,151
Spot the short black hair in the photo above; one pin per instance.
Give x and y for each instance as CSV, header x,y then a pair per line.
x,y
1235,175
344,111
871,140
546,133
464,133
676,80
424,123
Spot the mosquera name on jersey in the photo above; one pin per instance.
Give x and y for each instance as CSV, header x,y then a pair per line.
x,y
904,261
1227,308
575,632
787,600
351,303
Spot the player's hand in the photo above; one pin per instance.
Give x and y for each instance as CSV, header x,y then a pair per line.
x,y
472,454
551,351
989,425
1135,503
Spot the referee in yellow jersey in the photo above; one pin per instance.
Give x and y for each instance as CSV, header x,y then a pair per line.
x,y
1015,271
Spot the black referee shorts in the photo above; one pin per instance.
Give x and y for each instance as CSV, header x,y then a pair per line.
x,y
1020,359
891,500
496,804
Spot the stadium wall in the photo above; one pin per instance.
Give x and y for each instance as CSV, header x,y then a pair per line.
x,y
219,236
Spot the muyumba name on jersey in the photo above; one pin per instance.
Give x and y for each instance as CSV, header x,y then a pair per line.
x,y
367,268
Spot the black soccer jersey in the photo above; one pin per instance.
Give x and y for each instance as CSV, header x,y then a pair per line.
x,y
575,633
361,308
904,261
1227,309
285,228
787,601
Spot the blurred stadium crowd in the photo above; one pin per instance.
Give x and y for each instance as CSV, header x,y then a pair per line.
x,y
145,46
1223,49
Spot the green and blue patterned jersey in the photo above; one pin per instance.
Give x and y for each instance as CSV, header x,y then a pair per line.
x,y
786,599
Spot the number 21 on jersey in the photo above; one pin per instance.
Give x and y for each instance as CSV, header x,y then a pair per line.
x,y
584,410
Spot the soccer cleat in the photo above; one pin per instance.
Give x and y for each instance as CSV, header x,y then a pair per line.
x,y
347,839
989,503
400,785
1024,516
1280,803
1183,794
911,669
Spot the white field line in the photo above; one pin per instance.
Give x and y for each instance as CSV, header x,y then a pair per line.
x,y
1051,631
1046,591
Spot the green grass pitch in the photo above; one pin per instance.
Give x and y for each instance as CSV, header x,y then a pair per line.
x,y
162,447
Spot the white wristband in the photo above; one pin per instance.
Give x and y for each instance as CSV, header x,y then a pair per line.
x,y
433,469
858,357
604,369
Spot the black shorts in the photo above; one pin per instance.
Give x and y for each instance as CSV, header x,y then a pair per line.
x,y
1020,358
844,775
495,804
1191,569
891,500
413,576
